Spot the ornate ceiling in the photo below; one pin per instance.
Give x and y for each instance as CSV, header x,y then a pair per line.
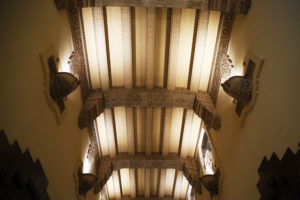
x,y
150,73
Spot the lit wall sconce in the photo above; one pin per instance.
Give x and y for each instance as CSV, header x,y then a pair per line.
x,y
57,85
244,89
85,182
211,183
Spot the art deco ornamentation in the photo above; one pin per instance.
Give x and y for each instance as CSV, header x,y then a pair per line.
x,y
244,89
280,179
20,176
58,85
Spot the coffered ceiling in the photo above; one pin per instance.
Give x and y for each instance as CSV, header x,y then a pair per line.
x,y
171,46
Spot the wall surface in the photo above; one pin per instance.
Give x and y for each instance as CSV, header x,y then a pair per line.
x,y
27,29
271,29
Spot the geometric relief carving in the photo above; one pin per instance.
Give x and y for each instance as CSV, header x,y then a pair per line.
x,y
280,179
20,176
98,100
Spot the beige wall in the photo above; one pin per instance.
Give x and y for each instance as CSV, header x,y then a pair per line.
x,y
271,29
27,28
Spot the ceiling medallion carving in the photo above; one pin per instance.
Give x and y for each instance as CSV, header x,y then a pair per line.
x,y
280,179
244,89
58,85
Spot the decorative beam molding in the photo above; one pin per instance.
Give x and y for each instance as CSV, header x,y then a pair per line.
x,y
124,160
222,43
143,198
235,6
200,102
79,59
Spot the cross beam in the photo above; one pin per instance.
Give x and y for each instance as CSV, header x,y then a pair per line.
x,y
199,102
123,160
235,6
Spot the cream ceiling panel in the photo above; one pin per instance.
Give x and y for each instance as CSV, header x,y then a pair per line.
x,y
160,46
156,129
184,187
140,128
121,129
116,182
87,16
114,22
154,181
125,181
140,41
176,123
187,24
194,135
170,177
141,181
102,135
211,37
110,188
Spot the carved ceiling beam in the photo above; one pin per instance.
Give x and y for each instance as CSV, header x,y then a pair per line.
x,y
222,43
236,6
200,102
124,160
223,38
143,198
79,66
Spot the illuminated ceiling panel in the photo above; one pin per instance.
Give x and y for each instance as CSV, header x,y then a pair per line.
x,y
108,57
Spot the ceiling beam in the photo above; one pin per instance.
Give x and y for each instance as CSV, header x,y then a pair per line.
x,y
222,43
150,45
237,6
143,198
200,102
108,165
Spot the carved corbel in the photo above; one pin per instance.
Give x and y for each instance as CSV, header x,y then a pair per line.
x,y
193,178
93,107
104,172
205,109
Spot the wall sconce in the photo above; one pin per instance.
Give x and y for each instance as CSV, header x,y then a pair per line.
x,y
85,182
57,85
244,89
211,183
